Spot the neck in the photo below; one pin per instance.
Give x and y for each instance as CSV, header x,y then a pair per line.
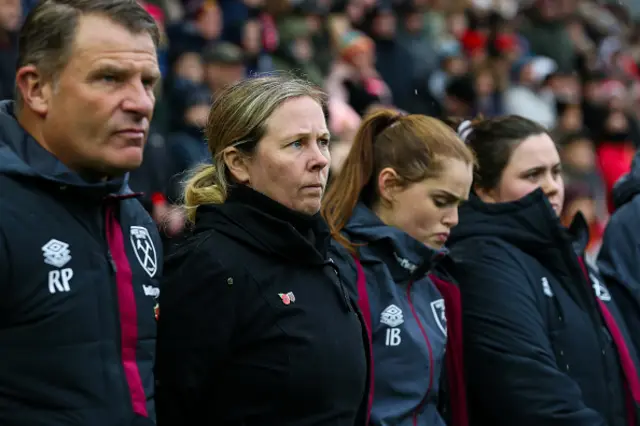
x,y
4,37
32,125
382,213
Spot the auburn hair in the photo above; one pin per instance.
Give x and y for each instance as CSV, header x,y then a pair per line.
x,y
412,145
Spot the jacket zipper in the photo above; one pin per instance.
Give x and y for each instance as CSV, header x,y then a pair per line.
x,y
426,339
341,287
596,318
107,211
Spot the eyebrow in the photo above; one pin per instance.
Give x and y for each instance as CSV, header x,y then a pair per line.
x,y
297,136
539,168
116,69
445,193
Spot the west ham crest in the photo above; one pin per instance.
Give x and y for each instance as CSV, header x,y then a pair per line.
x,y
144,249
437,307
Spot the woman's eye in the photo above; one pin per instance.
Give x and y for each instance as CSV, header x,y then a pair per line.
x,y
324,142
532,176
439,202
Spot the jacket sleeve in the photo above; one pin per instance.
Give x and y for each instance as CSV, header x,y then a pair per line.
x,y
196,321
5,265
619,267
512,377
618,258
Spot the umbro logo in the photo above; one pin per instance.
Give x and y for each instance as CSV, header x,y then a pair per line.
x,y
392,316
56,253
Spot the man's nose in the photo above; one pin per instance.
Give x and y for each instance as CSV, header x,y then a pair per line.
x,y
139,100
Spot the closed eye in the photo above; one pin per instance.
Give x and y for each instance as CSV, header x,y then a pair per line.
x,y
446,200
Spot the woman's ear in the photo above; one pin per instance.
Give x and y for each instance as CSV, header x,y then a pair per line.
x,y
387,184
486,195
237,165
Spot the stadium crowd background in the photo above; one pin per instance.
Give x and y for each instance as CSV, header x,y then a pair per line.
x,y
572,65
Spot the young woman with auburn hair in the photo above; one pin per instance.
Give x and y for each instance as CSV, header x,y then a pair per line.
x,y
390,211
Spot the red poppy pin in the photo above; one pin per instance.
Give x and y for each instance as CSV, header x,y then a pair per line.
x,y
287,298
156,310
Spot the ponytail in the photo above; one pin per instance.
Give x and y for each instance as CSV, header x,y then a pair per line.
x,y
205,186
354,182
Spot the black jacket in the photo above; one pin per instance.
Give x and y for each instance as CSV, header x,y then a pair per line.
x,y
255,326
78,270
540,348
619,257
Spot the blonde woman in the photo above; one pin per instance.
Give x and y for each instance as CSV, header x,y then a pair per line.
x,y
255,326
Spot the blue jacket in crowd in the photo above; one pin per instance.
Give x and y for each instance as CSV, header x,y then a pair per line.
x,y
619,257
408,322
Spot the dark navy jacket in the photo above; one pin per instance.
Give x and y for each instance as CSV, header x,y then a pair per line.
x,y
619,257
408,321
256,327
540,347
78,270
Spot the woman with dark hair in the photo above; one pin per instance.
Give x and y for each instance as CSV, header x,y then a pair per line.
x,y
542,341
390,211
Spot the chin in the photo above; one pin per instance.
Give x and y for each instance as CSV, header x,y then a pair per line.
x,y
310,207
125,163
436,245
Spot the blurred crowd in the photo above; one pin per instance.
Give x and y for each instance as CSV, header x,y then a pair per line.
x,y
571,65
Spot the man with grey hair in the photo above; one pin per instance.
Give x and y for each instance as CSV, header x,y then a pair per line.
x,y
79,256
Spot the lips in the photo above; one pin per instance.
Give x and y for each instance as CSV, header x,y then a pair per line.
x,y
132,132
442,237
314,186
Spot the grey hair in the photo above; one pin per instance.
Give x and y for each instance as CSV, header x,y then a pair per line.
x,y
47,35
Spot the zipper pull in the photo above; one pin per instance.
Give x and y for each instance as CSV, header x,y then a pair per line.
x,y
343,290
112,262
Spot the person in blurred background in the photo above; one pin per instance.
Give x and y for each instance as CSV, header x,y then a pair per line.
x,y
578,156
202,27
223,66
186,144
255,325
354,79
10,21
580,198
614,150
390,212
543,341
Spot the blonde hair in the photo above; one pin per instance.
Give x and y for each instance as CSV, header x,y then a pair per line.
x,y
238,117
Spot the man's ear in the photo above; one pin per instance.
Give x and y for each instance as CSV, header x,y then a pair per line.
x,y
236,162
387,184
35,90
